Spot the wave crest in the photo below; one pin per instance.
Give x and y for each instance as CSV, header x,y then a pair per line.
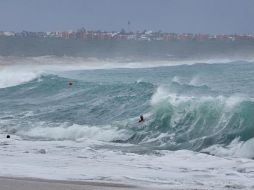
x,y
195,123
16,75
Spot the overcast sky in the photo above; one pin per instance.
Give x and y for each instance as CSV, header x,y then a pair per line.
x,y
181,16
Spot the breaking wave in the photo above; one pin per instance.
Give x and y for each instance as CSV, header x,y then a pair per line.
x,y
12,76
187,122
177,115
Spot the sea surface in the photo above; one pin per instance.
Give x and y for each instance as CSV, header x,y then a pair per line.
x,y
198,129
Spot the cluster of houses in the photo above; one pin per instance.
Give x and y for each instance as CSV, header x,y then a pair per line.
x,y
83,34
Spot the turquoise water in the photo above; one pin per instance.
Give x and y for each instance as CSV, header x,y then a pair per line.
x,y
189,107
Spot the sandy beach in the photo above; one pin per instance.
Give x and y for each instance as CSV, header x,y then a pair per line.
x,y
11,183
20,183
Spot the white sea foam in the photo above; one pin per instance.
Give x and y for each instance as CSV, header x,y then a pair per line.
x,y
195,81
139,80
73,132
73,63
160,95
15,75
163,93
176,79
82,161
236,148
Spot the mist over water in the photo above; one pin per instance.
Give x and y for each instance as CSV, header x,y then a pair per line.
x,y
127,49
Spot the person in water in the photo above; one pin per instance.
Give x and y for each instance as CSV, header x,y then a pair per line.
x,y
141,119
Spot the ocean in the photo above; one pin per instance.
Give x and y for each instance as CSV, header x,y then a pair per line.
x,y
197,132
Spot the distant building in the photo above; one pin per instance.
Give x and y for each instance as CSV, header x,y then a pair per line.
x,y
146,35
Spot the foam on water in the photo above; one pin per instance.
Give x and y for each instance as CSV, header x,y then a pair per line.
x,y
82,161
160,95
236,148
71,63
15,75
73,132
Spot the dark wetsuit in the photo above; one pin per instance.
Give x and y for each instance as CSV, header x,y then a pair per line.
x,y
141,119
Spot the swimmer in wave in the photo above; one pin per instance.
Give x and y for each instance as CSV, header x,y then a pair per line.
x,y
141,119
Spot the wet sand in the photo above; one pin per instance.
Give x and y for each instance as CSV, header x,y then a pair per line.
x,y
19,183
9,183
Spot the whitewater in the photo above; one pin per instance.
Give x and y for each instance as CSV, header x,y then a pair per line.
x,y
198,131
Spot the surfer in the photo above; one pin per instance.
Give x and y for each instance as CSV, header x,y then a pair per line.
x,y
70,83
141,119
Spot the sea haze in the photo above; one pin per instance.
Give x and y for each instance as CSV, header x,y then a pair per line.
x,y
155,50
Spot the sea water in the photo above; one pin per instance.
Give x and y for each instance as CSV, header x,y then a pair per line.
x,y
198,129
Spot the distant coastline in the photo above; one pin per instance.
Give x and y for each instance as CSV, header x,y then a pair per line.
x,y
146,35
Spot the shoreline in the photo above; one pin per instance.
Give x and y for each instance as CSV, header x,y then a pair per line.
x,y
29,183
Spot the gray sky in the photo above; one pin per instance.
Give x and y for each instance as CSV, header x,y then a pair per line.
x,y
181,16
